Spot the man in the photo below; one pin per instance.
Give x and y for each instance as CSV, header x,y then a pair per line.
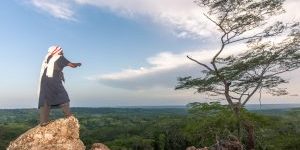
x,y
52,93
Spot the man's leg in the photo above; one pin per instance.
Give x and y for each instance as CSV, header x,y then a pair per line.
x,y
66,109
44,114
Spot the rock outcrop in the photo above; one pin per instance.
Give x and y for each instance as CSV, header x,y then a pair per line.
x,y
99,146
232,143
61,134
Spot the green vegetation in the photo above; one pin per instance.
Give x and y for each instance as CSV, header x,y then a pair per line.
x,y
164,128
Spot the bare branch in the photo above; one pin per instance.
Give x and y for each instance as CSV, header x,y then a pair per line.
x,y
219,52
257,86
204,65
217,24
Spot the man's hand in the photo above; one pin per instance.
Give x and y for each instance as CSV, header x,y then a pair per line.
x,y
74,65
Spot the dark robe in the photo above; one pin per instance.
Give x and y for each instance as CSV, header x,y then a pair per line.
x,y
52,91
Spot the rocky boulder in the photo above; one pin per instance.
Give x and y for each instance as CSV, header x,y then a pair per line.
x,y
61,134
99,146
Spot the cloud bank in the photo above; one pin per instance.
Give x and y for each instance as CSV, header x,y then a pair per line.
x,y
164,68
184,17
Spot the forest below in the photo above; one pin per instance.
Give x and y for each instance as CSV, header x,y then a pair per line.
x,y
165,128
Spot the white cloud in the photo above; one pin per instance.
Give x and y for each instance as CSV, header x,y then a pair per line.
x,y
58,8
184,17
159,80
164,68
292,12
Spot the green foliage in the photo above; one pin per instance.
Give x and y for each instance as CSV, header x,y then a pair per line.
x,y
281,133
166,128
208,121
14,122
207,109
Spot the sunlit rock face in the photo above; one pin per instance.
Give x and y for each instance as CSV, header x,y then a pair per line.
x,y
61,134
99,146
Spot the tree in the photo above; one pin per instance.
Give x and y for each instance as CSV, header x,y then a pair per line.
x,y
208,122
258,68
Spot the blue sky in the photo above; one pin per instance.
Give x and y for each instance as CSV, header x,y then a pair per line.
x,y
131,50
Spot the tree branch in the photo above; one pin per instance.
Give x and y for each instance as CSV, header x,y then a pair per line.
x,y
204,65
217,24
257,86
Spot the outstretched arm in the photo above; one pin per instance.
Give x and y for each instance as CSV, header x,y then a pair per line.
x,y
74,65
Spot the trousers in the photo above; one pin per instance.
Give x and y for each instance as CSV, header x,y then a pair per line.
x,y
45,111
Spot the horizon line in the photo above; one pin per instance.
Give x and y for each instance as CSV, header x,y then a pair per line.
x,y
147,106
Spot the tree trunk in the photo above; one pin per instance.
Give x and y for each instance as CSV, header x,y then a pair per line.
x,y
250,137
248,126
237,112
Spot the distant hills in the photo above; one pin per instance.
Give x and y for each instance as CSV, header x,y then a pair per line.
x,y
271,106
249,107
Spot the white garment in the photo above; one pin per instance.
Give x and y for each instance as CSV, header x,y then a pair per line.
x,y
53,50
50,65
50,69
